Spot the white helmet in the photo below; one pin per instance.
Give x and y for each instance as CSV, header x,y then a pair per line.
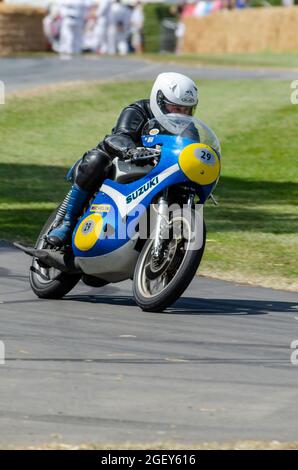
x,y
173,89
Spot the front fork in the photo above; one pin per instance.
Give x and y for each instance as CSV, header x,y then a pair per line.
x,y
163,222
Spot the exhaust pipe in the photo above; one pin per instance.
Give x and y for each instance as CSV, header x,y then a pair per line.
x,y
53,259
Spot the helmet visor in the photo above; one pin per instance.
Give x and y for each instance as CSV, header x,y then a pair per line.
x,y
178,109
168,107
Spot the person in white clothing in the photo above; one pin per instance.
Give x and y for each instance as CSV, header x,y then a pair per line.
x,y
137,23
52,26
73,13
118,28
101,27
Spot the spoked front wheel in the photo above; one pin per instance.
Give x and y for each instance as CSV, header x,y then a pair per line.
x,y
158,283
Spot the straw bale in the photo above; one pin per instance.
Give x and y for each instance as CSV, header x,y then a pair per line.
x,y
21,29
251,30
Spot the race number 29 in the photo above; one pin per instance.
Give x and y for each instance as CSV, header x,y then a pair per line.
x,y
2,353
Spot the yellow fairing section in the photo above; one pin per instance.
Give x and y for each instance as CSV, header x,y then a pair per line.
x,y
88,232
200,163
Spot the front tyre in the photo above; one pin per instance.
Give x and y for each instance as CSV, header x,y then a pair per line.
x,y
158,284
47,282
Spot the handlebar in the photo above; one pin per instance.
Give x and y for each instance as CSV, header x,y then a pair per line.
x,y
144,154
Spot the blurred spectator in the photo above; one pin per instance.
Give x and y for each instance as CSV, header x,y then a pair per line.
x,y
52,26
101,28
118,28
180,30
136,24
241,4
73,14
111,27
188,9
217,5
205,7
89,39
228,4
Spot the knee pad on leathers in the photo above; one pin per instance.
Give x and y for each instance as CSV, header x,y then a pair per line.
x,y
92,170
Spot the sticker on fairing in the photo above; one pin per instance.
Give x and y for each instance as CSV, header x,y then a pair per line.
x,y
87,227
99,208
154,132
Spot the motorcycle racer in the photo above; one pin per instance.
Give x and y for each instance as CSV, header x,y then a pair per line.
x,y
171,93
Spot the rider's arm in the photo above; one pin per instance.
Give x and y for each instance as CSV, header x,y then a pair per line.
x,y
127,132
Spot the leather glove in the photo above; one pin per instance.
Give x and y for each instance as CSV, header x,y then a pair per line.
x,y
134,154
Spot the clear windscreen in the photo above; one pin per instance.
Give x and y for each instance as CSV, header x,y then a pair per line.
x,y
184,126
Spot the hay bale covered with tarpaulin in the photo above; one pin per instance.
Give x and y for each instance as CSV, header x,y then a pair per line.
x,y
21,29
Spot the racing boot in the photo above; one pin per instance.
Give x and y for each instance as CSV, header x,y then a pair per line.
x,y
61,235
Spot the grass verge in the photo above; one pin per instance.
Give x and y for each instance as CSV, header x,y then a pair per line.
x,y
279,60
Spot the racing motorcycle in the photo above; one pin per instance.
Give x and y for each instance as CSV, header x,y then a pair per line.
x,y
145,223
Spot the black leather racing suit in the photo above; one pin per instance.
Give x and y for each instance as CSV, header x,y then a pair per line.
x,y
93,168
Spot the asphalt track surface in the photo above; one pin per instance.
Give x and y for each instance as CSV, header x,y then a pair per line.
x,y
23,73
94,368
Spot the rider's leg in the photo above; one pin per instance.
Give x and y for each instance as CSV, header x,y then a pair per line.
x,y
89,176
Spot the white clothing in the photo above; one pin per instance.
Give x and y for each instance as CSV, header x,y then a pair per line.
x,y
137,23
101,27
118,29
73,14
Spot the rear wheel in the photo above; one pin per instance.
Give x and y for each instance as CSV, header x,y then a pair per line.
x,y
157,284
47,282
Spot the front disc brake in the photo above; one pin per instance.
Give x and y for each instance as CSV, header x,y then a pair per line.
x,y
158,266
